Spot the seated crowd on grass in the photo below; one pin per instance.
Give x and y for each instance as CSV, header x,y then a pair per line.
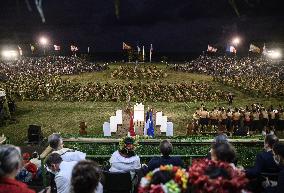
x,y
256,76
70,172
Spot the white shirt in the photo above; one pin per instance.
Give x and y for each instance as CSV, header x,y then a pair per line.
x,y
99,188
36,161
70,155
63,177
121,164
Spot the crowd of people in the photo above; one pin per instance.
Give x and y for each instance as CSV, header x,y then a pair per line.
x,y
219,171
39,79
47,66
257,76
240,121
145,72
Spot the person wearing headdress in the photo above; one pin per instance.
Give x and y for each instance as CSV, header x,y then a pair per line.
x,y
125,159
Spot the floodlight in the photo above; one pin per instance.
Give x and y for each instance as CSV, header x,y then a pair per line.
x,y
274,54
236,40
9,54
43,41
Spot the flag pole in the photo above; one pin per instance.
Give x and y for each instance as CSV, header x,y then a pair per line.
x,y
143,54
151,53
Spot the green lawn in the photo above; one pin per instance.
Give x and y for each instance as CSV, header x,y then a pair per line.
x,y
64,117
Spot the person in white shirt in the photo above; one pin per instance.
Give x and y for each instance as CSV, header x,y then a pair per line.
x,y
124,159
62,171
56,143
36,160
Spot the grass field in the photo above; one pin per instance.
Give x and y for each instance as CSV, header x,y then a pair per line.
x,y
64,117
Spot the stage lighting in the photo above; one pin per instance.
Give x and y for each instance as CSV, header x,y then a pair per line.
x,y
274,54
9,54
236,40
43,41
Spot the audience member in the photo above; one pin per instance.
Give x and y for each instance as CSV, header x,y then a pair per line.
x,y
86,176
62,171
264,160
124,159
166,149
208,176
224,152
56,143
278,151
10,165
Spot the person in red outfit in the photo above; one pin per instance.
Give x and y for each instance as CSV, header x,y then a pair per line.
x,y
10,164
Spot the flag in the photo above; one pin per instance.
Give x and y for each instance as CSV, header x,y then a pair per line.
x,y
231,49
131,125
32,48
74,48
151,51
254,49
125,46
264,50
20,50
211,49
56,48
138,50
149,123
143,53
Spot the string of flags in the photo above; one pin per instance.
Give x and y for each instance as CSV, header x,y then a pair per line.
x,y
141,49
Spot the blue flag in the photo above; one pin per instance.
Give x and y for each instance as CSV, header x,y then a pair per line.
x,y
150,129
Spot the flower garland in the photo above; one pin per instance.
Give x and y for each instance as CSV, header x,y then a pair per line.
x,y
177,184
201,182
122,143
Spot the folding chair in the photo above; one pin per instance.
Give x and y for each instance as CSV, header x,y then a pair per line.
x,y
117,182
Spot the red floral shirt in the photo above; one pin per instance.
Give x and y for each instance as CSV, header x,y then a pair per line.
x,y
8,185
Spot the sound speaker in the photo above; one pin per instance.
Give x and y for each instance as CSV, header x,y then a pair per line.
x,y
34,134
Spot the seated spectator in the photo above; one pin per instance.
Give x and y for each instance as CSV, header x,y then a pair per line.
x,y
28,171
213,176
36,160
124,159
10,164
62,171
221,138
166,178
166,149
264,160
224,152
56,143
86,176
278,151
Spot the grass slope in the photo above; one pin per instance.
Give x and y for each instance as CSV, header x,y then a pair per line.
x,y
64,117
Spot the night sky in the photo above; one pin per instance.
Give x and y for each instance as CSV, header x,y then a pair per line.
x,y
170,25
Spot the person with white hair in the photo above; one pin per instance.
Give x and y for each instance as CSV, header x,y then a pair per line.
x,y
56,143
10,165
